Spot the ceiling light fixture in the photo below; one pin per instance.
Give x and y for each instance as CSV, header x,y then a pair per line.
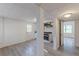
x,y
35,20
67,15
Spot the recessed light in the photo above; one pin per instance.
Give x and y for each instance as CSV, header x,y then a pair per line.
x,y
35,20
67,15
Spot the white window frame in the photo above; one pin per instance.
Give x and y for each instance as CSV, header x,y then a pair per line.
x,y
66,29
29,28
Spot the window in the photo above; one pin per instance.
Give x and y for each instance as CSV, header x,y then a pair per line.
x,y
29,28
67,28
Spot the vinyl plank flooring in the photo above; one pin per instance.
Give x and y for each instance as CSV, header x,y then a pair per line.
x,y
22,49
29,48
67,50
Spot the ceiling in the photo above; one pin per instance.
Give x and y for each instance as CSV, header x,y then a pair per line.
x,y
30,10
18,10
58,9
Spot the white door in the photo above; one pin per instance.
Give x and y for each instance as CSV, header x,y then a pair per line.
x,y
67,32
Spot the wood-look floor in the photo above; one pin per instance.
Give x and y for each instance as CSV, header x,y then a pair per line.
x,y
68,49
29,49
22,49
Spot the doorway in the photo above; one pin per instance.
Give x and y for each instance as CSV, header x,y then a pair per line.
x,y
67,34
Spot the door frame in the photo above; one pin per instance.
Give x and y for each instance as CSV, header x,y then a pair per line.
x,y
61,43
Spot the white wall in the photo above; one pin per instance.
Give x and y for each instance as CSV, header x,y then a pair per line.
x,y
14,31
48,29
56,34
40,32
13,26
18,10
77,33
1,32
